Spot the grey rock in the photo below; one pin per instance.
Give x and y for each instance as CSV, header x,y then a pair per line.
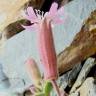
x,y
73,74
83,73
69,78
63,80
4,78
8,94
88,88
75,94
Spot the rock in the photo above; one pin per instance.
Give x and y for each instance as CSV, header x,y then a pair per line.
x,y
69,78
63,80
82,46
92,72
62,2
8,94
28,93
11,11
14,28
88,88
73,74
4,81
35,3
75,94
83,73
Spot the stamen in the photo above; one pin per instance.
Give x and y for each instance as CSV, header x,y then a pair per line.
x,y
36,11
40,14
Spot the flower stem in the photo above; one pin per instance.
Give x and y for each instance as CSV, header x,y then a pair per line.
x,y
55,86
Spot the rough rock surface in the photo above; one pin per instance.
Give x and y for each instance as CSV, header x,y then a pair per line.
x,y
23,45
11,10
83,85
90,62
82,46
69,78
88,88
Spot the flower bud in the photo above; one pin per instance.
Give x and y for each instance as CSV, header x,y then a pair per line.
x,y
33,71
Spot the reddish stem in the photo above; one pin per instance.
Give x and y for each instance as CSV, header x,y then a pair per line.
x,y
55,86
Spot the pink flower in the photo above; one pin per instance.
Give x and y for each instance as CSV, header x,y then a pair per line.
x,y
36,18
43,22
46,47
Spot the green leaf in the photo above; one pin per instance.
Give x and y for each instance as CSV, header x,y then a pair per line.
x,y
39,94
47,88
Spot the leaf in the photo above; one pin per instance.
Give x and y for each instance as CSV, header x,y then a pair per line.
x,y
47,88
39,94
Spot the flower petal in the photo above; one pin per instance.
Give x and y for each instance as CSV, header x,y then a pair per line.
x,y
61,11
27,17
60,17
31,16
31,27
32,20
31,12
53,9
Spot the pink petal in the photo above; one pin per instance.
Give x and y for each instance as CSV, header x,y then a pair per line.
x,y
30,18
31,12
53,9
61,11
27,17
31,15
31,27
58,16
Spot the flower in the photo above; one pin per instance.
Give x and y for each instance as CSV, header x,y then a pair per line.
x,y
36,17
43,22
46,47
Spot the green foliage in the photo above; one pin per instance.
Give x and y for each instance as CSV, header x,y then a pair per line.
x,y
47,88
40,94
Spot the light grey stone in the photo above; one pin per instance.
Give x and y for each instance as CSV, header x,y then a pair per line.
x,y
8,94
73,74
75,94
88,88
83,73
70,77
4,82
